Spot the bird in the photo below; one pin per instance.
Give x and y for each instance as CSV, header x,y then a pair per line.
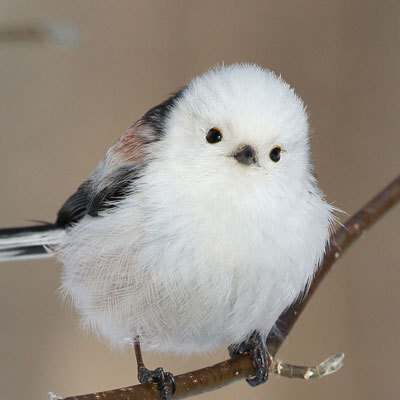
x,y
201,225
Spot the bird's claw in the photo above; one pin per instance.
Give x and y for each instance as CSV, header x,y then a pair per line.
x,y
164,380
256,348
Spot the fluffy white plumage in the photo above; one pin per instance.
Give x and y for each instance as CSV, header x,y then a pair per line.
x,y
204,250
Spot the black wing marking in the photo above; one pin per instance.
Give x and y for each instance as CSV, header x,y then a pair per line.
x,y
157,115
90,200
75,207
111,194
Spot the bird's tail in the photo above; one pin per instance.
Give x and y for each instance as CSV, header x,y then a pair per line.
x,y
29,242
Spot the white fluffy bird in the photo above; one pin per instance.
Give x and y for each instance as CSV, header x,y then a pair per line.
x,y
200,226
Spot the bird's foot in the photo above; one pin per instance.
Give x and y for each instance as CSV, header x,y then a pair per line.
x,y
165,380
256,348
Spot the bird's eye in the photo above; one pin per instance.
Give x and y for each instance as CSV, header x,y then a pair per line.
x,y
214,135
275,154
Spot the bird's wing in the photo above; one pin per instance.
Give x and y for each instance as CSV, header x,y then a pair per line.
x,y
112,178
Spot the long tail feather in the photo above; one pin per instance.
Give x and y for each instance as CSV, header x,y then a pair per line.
x,y
29,242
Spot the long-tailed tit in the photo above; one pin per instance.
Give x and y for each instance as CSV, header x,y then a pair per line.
x,y
199,227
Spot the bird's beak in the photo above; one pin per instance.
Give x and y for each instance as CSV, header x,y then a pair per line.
x,y
246,155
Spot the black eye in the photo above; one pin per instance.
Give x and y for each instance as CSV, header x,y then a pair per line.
x,y
275,154
214,135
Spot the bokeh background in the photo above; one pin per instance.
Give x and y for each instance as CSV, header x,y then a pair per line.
x,y
61,107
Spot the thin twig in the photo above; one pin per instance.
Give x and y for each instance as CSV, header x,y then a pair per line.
x,y
226,372
327,367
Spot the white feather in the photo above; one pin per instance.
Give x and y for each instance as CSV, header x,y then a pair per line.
x,y
206,250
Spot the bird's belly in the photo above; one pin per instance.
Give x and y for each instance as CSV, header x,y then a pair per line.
x,y
180,284
192,304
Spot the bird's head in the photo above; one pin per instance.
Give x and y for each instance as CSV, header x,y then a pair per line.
x,y
239,125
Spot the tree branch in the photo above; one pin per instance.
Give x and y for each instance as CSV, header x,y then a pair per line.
x,y
226,372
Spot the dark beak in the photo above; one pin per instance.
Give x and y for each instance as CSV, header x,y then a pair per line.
x,y
246,155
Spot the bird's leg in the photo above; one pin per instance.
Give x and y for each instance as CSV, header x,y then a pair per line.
x,y
256,348
165,380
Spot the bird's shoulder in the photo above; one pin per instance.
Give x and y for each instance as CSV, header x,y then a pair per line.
x,y
114,177
110,181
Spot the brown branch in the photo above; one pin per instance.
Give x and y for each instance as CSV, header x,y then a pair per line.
x,y
343,238
226,372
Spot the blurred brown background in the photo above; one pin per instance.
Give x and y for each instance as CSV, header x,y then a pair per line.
x,y
61,108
